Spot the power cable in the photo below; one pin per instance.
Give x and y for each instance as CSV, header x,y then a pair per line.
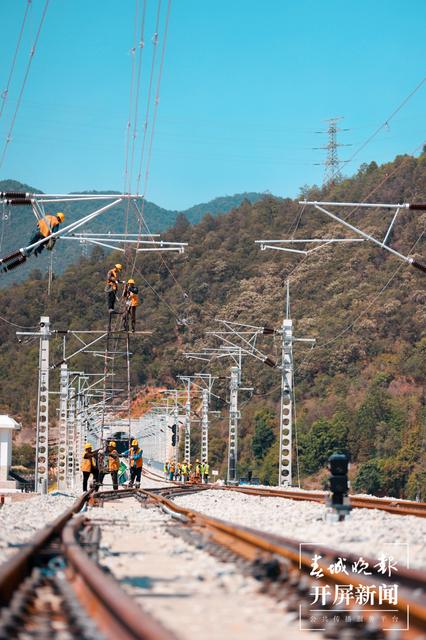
x,y
148,102
19,326
137,93
386,122
351,325
178,319
24,82
5,93
129,173
157,95
126,188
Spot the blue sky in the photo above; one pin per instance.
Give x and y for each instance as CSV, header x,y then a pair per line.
x,y
245,88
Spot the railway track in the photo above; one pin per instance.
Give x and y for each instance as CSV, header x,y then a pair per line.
x,y
54,588
284,568
390,505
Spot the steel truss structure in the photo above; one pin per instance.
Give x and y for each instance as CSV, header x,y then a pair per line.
x,y
384,244
108,240
236,353
82,401
200,384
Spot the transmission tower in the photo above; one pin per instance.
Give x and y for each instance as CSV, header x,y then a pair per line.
x,y
332,173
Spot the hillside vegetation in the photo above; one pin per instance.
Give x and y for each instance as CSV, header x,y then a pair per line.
x,y
360,389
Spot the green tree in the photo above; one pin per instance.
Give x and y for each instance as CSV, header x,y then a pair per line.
x,y
370,477
324,438
264,434
23,455
375,409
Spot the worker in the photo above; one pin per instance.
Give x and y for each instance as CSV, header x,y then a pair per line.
x,y
189,473
45,227
135,462
89,465
131,296
184,471
113,463
112,285
197,471
166,466
171,471
206,472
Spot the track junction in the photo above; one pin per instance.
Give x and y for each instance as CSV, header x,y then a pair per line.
x,y
59,584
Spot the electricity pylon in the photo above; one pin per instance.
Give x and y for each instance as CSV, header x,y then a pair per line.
x,y
332,173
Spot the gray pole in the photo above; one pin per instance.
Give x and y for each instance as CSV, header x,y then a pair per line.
x,y
286,409
42,434
233,425
205,426
188,422
63,435
176,421
71,440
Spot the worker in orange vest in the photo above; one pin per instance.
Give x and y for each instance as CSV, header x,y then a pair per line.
x,y
131,295
112,285
113,463
136,463
45,227
89,465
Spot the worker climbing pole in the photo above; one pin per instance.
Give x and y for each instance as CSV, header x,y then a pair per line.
x,y
116,405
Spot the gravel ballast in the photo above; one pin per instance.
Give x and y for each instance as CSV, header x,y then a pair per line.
x,y
19,521
367,531
189,591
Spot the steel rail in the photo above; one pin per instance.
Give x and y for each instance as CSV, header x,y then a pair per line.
x,y
18,567
390,505
114,612
249,543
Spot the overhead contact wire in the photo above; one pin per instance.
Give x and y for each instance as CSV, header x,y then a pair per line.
x,y
24,82
5,93
126,185
380,127
148,103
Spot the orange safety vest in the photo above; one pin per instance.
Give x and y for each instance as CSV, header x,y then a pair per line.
x,y
86,464
112,277
47,225
139,461
134,299
113,463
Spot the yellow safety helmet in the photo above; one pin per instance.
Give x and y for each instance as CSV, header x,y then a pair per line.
x,y
135,443
87,445
118,266
60,216
112,443
130,281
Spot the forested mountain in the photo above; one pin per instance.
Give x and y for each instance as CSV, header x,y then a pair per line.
x,y
17,224
360,389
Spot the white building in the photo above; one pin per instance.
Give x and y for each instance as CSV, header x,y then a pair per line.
x,y
7,426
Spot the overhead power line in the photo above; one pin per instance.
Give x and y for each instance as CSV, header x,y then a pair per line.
x,y
24,82
5,93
